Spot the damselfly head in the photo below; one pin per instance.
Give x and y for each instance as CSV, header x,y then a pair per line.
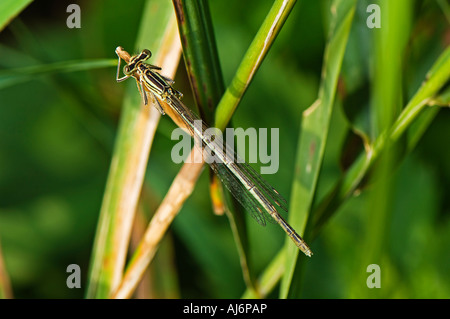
x,y
146,54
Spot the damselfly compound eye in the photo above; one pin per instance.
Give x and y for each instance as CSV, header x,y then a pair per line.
x,y
147,53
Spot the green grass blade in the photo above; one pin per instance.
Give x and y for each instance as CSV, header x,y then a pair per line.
x,y
389,46
205,76
252,60
202,61
313,136
10,9
436,78
200,55
235,91
269,278
236,217
19,75
129,161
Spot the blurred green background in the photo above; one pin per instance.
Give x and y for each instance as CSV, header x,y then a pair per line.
x,y
57,132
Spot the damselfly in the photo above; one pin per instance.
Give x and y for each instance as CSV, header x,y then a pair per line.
x,y
244,183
